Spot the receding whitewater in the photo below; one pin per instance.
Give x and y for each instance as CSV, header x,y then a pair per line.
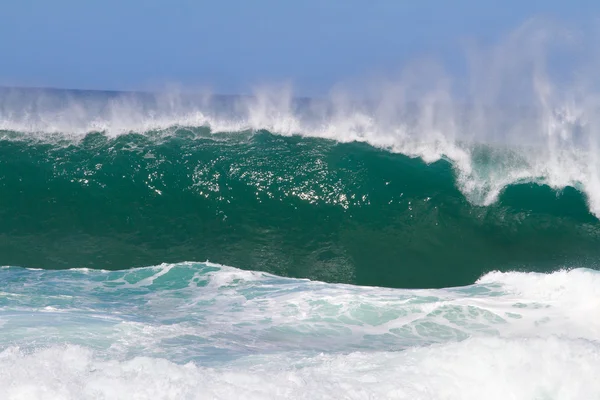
x,y
450,254
205,331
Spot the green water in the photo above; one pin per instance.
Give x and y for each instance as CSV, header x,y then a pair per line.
x,y
292,206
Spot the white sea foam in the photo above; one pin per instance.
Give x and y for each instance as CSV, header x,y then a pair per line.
x,y
490,368
214,308
201,330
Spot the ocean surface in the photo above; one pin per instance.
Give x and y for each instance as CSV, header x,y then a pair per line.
x,y
178,246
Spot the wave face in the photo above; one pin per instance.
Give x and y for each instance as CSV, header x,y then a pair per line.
x,y
300,207
207,331
432,193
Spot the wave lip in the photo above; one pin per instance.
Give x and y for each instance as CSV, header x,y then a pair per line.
x,y
552,142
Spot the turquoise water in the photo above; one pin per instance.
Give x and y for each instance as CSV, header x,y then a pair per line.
x,y
293,206
197,330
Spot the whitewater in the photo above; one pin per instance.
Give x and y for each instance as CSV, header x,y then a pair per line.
x,y
200,330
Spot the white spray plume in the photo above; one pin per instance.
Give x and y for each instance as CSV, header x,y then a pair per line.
x,y
529,114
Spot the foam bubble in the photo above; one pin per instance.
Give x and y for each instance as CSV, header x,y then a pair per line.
x,y
571,298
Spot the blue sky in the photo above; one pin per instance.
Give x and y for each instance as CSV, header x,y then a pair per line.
x,y
229,45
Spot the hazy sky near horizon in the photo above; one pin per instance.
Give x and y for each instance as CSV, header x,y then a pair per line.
x,y
229,45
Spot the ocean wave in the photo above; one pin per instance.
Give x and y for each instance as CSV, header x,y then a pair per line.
x,y
554,145
292,205
539,119
416,175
